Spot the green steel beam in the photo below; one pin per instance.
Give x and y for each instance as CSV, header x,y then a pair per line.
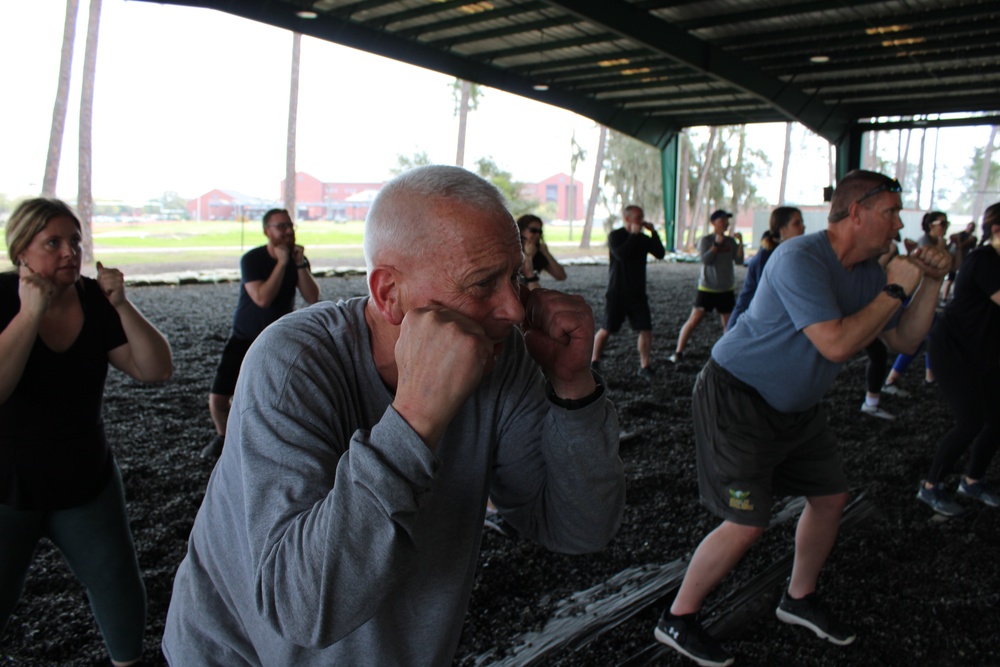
x,y
644,28
670,171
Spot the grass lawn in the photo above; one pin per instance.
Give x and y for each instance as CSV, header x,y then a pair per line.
x,y
223,242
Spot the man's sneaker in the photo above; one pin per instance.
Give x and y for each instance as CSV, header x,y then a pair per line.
x,y
810,612
939,500
980,491
646,372
595,365
876,411
685,635
675,357
493,521
893,390
214,447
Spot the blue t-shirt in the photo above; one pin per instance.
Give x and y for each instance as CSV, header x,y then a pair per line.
x,y
803,283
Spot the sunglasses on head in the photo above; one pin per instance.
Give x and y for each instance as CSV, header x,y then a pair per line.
x,y
886,186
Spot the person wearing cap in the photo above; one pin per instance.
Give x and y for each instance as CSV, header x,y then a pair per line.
x,y
761,431
269,276
626,295
717,284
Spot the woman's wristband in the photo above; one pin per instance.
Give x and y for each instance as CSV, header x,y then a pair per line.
x,y
303,265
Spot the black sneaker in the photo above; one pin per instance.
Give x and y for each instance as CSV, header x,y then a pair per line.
x,y
685,635
595,365
675,357
493,521
646,372
980,491
810,612
214,447
939,500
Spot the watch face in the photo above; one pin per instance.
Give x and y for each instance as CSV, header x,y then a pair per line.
x,y
895,291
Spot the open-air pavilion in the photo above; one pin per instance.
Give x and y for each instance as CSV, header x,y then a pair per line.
x,y
650,68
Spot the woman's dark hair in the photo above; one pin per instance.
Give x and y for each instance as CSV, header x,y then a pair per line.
x,y
929,219
780,217
526,220
991,216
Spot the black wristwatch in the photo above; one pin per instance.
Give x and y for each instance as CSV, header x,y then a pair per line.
x,y
573,403
895,291
304,264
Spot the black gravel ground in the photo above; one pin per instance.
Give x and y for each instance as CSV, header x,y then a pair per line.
x,y
920,590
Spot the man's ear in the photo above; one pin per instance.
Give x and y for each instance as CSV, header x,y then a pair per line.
x,y
385,289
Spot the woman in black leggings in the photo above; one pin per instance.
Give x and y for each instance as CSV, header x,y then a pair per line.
x,y
965,358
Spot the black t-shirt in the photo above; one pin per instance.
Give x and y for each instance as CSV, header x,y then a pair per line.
x,y
53,451
250,319
627,266
970,324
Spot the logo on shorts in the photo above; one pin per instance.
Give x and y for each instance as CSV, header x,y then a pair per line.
x,y
740,500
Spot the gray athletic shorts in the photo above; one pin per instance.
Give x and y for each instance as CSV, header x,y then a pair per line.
x,y
749,453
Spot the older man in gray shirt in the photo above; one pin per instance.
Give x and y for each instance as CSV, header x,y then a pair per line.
x,y
342,523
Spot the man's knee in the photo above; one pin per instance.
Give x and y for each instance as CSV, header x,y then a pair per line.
x,y
834,503
740,534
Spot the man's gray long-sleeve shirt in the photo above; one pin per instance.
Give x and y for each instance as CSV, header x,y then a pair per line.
x,y
331,535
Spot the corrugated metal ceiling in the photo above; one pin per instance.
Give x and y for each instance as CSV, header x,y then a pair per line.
x,y
650,68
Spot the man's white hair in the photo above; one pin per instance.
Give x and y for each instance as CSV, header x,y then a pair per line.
x,y
397,219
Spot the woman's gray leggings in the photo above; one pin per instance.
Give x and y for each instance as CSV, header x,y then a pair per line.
x,y
96,542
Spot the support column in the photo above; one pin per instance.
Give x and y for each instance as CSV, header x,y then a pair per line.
x,y
669,171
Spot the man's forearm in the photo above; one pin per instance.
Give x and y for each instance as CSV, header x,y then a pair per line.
x,y
916,320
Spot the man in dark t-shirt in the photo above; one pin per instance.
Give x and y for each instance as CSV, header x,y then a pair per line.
x,y
626,295
269,275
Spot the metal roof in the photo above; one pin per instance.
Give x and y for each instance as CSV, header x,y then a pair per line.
x,y
650,68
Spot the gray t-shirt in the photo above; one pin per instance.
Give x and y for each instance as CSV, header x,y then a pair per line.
x,y
718,268
803,283
331,535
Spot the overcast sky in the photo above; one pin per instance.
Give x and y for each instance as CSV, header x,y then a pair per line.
x,y
189,99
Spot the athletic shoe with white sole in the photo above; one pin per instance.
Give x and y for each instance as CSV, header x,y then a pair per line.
x,y
876,411
893,390
939,500
980,491
685,635
810,612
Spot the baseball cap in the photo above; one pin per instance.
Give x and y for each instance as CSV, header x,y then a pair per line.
x,y
720,214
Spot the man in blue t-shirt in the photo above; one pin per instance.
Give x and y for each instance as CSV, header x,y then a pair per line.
x,y
269,275
760,429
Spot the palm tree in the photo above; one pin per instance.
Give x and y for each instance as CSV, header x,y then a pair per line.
x,y
62,97
784,163
595,188
466,99
293,114
576,154
85,196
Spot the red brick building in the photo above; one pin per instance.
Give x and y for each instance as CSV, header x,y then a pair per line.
x,y
557,190
317,200
228,205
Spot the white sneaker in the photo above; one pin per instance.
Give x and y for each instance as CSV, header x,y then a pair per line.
x,y
893,390
876,411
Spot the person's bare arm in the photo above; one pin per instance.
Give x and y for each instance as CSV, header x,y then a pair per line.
x,y
264,292
17,339
554,268
146,356
307,284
